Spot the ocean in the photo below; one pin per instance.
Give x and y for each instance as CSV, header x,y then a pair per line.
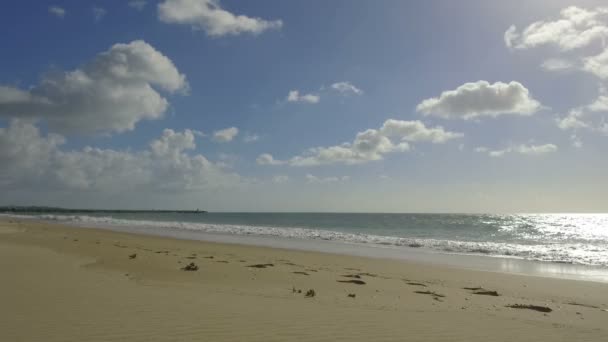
x,y
578,239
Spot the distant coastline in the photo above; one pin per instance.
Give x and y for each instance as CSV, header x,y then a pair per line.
x,y
39,209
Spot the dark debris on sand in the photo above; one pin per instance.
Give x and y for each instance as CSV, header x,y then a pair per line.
x,y
530,307
133,256
352,281
261,265
310,293
487,293
481,291
190,267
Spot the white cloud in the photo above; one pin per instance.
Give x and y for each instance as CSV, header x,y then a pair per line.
x,y
294,96
580,30
586,117
510,36
556,64
29,160
534,150
474,100
210,17
137,4
600,104
324,180
576,141
109,94
346,88
573,120
226,134
576,28
251,138
57,11
597,65
531,150
280,179
416,131
369,145
603,128
268,159
99,13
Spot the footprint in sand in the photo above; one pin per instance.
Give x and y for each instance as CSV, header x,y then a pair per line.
x,y
413,283
436,296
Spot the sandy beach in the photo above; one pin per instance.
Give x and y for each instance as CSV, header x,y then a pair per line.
x,y
63,283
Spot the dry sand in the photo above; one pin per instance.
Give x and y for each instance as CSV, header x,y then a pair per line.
x,y
76,284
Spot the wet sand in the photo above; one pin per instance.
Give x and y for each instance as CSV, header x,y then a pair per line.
x,y
78,284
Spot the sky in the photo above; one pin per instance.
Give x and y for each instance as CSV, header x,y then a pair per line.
x,y
325,106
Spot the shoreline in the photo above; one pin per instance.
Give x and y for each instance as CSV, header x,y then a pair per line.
x,y
64,283
465,261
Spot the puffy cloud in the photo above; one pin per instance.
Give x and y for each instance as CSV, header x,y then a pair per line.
x,y
294,96
573,120
210,17
587,117
137,4
531,150
346,88
369,145
477,99
267,159
324,180
576,28
57,11
29,160
99,13
416,131
600,104
24,154
597,65
109,94
226,134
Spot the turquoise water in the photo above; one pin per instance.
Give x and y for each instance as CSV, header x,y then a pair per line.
x,y
558,238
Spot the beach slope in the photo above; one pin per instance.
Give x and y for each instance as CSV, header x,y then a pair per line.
x,y
77,284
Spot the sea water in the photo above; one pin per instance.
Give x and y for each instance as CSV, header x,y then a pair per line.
x,y
559,238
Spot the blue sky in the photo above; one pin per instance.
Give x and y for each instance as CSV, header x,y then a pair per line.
x,y
499,132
